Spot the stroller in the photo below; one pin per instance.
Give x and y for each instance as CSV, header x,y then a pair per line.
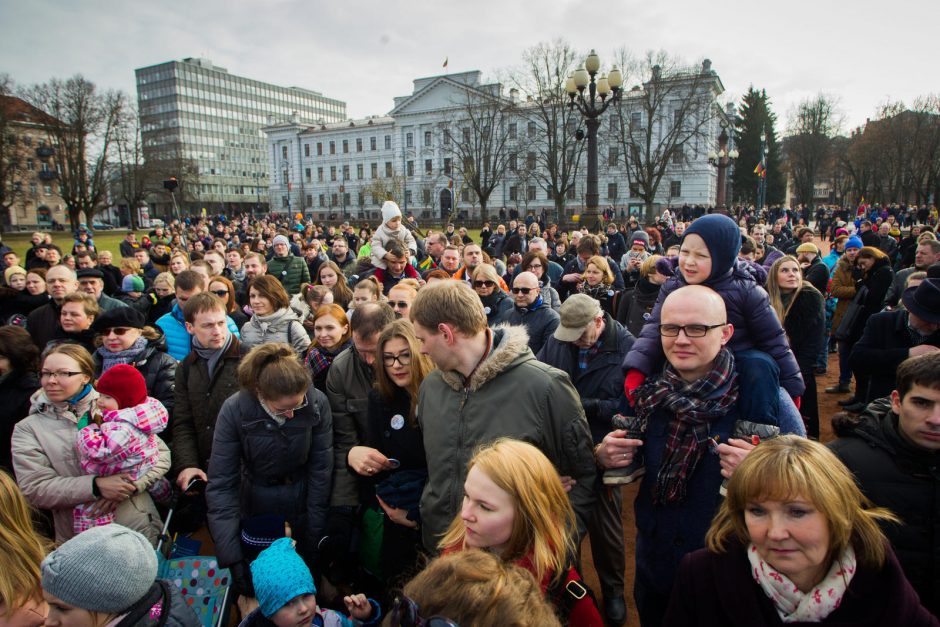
x,y
204,586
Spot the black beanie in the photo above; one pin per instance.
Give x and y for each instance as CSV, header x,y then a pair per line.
x,y
722,237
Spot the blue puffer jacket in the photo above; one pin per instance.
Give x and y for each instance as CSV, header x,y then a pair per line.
x,y
755,326
178,340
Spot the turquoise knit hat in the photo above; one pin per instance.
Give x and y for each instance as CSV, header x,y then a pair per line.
x,y
279,575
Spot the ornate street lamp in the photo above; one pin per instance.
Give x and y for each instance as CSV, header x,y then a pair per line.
x,y
721,160
591,94
762,175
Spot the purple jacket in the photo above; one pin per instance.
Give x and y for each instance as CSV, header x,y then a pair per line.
x,y
755,326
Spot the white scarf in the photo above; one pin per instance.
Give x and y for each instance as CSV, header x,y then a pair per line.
x,y
795,606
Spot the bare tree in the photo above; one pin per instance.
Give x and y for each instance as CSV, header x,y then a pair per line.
x,y
665,120
480,136
82,129
551,126
135,178
12,153
812,126
171,162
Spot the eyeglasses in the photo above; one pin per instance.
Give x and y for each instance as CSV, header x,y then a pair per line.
x,y
398,304
220,293
62,374
284,412
535,266
402,358
118,331
691,330
486,283
404,613
522,290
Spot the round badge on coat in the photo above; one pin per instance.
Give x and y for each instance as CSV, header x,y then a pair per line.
x,y
283,272
610,292
486,310
397,422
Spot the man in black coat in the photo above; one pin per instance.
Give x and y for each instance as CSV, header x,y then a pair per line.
x,y
894,452
890,337
869,237
529,311
587,345
814,270
616,246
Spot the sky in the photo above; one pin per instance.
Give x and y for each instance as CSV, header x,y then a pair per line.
x,y
863,53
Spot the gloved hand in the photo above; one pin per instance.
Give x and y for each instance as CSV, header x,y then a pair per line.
x,y
241,579
634,379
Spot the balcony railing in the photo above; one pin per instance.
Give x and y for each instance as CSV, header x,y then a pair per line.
x,y
44,152
48,175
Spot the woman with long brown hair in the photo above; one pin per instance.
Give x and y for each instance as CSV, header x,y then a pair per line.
x,y
21,552
332,277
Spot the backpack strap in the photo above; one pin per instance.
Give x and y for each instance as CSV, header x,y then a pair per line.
x,y
565,593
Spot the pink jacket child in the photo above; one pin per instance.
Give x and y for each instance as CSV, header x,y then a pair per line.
x,y
122,440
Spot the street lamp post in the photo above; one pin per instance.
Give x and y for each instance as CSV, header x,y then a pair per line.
x,y
591,95
722,160
762,177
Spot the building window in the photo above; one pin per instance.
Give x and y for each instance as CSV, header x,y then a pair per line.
x,y
571,193
388,142
283,152
447,166
512,131
615,125
361,198
530,192
284,176
466,135
345,146
465,195
613,155
531,129
512,161
611,191
678,157
427,138
530,161
309,200
334,200
307,174
359,144
634,190
388,169
47,189
30,165
332,147
675,189
408,197
409,140
284,201
345,172
323,200
550,193
33,189
359,170
636,120
677,117
332,172
375,170
428,167
372,143
426,196
346,199
411,168
446,137
306,150
319,149
320,174
513,192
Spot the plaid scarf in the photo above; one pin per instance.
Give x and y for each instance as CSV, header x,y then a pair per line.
x,y
319,359
694,407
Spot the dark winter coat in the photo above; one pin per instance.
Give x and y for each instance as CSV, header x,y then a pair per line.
x,y
878,281
15,390
348,383
43,323
885,343
159,372
755,326
198,400
19,302
291,271
539,322
817,275
716,589
804,325
258,467
600,385
635,306
495,306
904,478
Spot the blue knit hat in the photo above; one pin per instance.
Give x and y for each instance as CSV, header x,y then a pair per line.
x,y
279,575
722,237
854,242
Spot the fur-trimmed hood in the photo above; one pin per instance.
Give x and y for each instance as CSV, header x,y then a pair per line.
x,y
510,348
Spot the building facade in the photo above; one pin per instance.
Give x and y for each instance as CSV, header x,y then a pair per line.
x,y
347,169
199,119
30,170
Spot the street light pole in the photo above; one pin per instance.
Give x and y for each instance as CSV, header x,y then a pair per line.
x,y
722,160
591,105
762,178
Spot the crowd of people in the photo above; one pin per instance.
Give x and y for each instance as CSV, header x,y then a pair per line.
x,y
387,424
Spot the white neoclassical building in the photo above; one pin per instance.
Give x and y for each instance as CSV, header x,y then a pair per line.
x,y
347,169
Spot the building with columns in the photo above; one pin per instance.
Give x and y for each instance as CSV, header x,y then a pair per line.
x,y
347,169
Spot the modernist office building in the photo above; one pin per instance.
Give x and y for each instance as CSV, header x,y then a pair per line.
x,y
195,112
347,168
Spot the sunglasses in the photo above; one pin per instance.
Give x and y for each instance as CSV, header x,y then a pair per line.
x,y
220,293
398,304
118,331
484,283
404,613
522,290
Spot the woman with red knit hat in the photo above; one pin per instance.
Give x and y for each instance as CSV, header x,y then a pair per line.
x,y
121,439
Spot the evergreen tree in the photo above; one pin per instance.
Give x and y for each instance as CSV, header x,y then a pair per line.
x,y
755,115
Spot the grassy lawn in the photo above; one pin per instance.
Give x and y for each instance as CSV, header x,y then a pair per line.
x,y
104,240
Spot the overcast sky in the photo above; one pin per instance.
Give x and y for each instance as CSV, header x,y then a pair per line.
x,y
365,53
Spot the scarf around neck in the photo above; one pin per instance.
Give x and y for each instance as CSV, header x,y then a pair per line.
x,y
694,407
791,603
212,355
127,356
